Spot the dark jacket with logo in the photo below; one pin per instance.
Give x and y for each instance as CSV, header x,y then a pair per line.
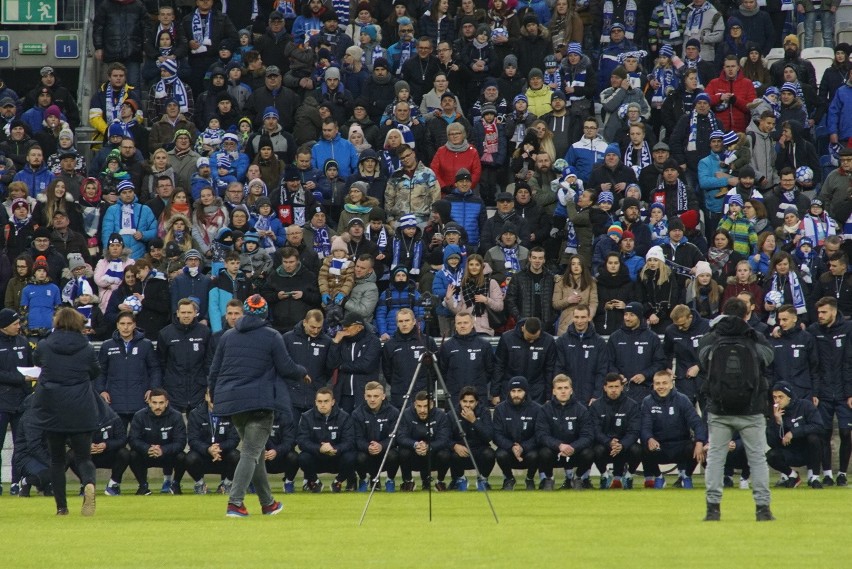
x,y
183,358
374,425
670,419
516,424
637,351
834,345
337,429
313,354
468,360
535,361
564,423
127,372
479,433
358,362
615,419
585,359
683,346
14,352
796,360
435,429
111,430
167,430
204,429
400,356
283,436
800,418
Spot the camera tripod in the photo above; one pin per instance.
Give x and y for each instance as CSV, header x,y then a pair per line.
x,y
426,358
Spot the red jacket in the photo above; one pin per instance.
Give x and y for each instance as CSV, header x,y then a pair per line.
x,y
446,163
734,116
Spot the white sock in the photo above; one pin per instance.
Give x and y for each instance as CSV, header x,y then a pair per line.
x,y
793,474
811,474
785,477
227,481
827,473
628,475
112,483
167,478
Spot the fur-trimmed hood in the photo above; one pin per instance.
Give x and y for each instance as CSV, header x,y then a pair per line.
x,y
42,197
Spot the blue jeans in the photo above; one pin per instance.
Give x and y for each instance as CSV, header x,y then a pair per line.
x,y
827,19
752,429
254,428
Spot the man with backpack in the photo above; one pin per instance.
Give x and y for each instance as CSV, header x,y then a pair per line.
x,y
734,359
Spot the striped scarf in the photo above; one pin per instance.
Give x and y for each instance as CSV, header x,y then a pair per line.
x,y
668,80
644,157
629,20
693,129
695,19
381,240
322,242
578,82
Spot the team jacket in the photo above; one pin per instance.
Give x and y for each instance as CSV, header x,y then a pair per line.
x,y
615,419
313,354
374,425
336,429
834,345
670,419
128,371
479,433
637,351
468,360
585,359
436,428
535,361
800,418
283,436
683,346
167,430
358,361
516,424
796,359
111,430
400,356
14,352
564,423
205,429
183,358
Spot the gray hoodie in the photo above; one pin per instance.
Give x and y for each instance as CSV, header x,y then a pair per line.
x,y
762,154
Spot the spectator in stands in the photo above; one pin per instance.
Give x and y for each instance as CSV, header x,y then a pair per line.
x,y
515,434
792,55
327,443
205,28
118,35
105,107
373,422
34,173
60,96
157,49
615,426
291,291
157,439
169,88
530,292
213,441
671,431
411,189
182,158
130,219
129,369
835,76
425,437
273,94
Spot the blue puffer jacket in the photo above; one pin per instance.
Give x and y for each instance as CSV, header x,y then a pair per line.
x,y
442,280
128,372
144,222
468,210
249,369
840,114
36,180
392,301
222,290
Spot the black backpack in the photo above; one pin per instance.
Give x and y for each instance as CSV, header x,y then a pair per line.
x,y
734,375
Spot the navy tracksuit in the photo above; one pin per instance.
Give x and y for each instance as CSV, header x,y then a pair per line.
x,y
116,456
669,420
468,360
435,430
803,420
796,361
683,347
400,356
516,424
168,431
637,351
616,419
313,353
203,430
585,359
535,361
282,440
335,428
564,423
478,435
375,426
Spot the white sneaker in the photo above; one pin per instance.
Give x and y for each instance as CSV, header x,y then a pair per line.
x,y
743,483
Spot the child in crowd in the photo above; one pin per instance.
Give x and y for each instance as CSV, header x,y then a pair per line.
x,y
604,245
741,229
552,74
254,261
245,43
337,274
408,246
267,226
658,223
790,232
210,139
807,261
817,225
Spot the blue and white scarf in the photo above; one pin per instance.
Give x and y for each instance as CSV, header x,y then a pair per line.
x,y
416,255
798,300
406,50
696,18
128,220
201,29
322,242
407,134
177,88
670,14
76,288
668,80
113,104
629,20
391,161
263,223
644,157
578,82
115,269
381,240
693,129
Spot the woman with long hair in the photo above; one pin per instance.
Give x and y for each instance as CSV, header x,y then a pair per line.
x,y
389,157
760,261
565,26
158,165
615,290
744,280
704,295
783,285
501,15
271,167
178,230
65,406
178,205
659,290
755,212
129,286
722,257
754,67
56,197
437,23
209,217
545,139
575,286
476,292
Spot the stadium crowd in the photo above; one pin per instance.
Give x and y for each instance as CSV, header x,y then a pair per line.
x,y
333,166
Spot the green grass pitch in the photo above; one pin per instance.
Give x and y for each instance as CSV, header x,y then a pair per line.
x,y
613,528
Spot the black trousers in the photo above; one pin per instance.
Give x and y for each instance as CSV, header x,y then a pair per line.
x,y
81,445
116,461
679,452
35,472
197,465
549,459
507,462
367,465
140,463
13,419
628,458
341,464
288,464
485,460
410,461
737,460
805,452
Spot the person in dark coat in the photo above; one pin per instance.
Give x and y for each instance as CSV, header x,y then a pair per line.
x,y
615,425
247,383
327,443
129,369
530,292
374,421
475,420
291,291
564,435
280,453
31,455
182,348
65,405
681,345
582,355
14,387
156,301
424,437
157,439
793,435
515,434
356,353
467,359
213,442
636,352
401,354
528,351
308,344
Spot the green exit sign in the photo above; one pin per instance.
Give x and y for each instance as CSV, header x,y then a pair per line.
x,y
32,48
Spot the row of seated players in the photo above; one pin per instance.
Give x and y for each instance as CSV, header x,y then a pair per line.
x,y
562,433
